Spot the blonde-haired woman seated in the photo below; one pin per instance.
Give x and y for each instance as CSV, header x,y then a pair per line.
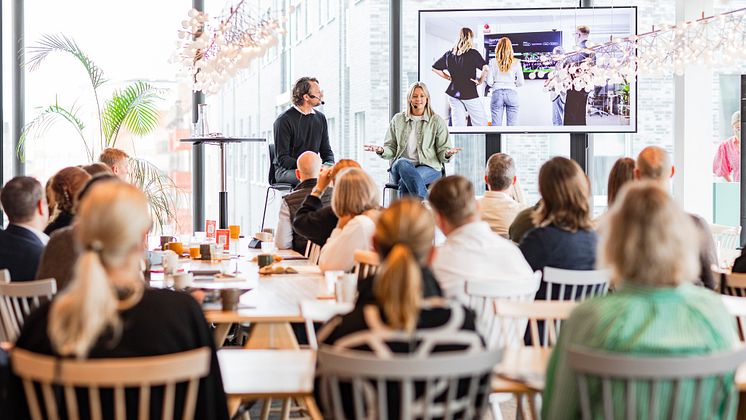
x,y
655,310
355,202
107,312
403,300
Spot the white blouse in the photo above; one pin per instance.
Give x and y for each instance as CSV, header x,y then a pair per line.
x,y
339,251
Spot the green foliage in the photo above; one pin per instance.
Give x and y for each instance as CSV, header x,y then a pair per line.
x,y
159,188
134,108
46,118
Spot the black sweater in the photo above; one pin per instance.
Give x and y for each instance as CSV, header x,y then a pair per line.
x,y
296,133
314,221
163,322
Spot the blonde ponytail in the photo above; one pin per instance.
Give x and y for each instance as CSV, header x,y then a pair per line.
x,y
84,310
399,288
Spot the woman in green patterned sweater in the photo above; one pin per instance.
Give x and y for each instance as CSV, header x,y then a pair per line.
x,y
655,310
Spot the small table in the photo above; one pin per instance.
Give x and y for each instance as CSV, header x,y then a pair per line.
x,y
223,194
266,374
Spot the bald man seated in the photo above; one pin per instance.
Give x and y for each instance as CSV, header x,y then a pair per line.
x,y
654,164
307,172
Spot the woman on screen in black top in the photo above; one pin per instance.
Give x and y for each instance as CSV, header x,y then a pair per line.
x,y
459,66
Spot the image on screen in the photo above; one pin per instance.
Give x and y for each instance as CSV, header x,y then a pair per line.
x,y
515,95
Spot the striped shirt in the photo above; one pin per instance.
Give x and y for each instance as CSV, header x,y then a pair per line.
x,y
642,320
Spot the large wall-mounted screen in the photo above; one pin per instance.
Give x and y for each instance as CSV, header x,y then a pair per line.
x,y
516,95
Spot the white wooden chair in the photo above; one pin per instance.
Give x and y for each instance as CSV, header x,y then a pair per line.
x,y
655,386
513,316
485,295
582,284
735,284
736,306
440,376
313,252
17,300
57,377
366,263
320,311
727,237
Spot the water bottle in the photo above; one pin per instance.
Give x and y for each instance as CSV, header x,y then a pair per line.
x,y
202,130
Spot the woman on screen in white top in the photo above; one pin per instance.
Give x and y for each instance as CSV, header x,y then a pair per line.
x,y
504,77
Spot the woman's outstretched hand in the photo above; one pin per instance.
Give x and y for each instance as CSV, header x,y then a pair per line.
x,y
453,151
373,148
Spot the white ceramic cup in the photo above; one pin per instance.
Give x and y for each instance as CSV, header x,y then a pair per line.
x,y
268,247
346,288
170,262
182,280
331,280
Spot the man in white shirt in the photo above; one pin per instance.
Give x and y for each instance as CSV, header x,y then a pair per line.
x,y
498,208
307,172
471,250
23,241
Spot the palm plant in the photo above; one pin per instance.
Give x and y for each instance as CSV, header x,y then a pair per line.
x,y
132,108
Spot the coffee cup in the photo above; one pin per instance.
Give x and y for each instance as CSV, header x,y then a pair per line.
x,y
176,247
331,279
165,239
170,262
345,288
263,260
264,236
182,280
229,298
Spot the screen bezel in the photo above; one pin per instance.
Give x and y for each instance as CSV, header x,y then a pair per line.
x,y
521,130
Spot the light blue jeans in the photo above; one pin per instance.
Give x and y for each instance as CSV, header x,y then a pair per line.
x,y
413,180
504,99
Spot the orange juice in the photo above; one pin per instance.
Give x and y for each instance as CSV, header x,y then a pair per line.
x,y
176,247
235,231
194,252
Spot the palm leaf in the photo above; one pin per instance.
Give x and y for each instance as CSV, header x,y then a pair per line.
x,y
48,116
60,43
134,107
159,188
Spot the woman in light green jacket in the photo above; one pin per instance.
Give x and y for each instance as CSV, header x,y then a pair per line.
x,y
417,144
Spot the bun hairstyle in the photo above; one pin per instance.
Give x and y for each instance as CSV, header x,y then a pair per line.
x,y
403,238
112,219
66,185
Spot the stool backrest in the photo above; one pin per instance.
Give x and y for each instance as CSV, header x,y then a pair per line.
x,y
18,300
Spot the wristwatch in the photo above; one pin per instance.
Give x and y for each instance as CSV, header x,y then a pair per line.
x,y
316,192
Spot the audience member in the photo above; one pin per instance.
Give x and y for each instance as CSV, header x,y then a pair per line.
x,y
22,242
309,166
315,220
563,237
96,168
51,204
355,201
654,164
66,185
62,252
107,312
299,129
497,207
416,145
118,161
523,223
622,172
654,311
404,300
471,251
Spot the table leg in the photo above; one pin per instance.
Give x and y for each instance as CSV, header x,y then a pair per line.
x,y
313,409
272,335
285,414
265,408
221,332
233,404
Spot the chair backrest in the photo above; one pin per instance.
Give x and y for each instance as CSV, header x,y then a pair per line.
x,y
320,311
445,385
735,284
17,300
366,263
727,237
271,176
576,284
736,306
313,252
4,276
53,375
640,380
544,319
485,295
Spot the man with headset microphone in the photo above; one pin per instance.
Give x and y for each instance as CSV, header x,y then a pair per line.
x,y
299,129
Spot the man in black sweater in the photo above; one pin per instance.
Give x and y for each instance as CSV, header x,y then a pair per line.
x,y
300,129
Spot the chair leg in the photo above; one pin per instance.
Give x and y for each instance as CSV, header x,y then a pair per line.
x,y
265,408
264,215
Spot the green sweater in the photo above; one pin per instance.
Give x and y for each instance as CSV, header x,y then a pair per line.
x,y
432,144
639,320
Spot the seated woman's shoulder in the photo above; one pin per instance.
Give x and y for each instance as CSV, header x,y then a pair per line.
x,y
168,298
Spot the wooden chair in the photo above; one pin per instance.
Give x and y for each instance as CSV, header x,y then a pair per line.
x,y
640,380
735,284
366,264
57,377
17,300
513,317
583,284
4,276
313,252
372,378
736,306
727,237
319,311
